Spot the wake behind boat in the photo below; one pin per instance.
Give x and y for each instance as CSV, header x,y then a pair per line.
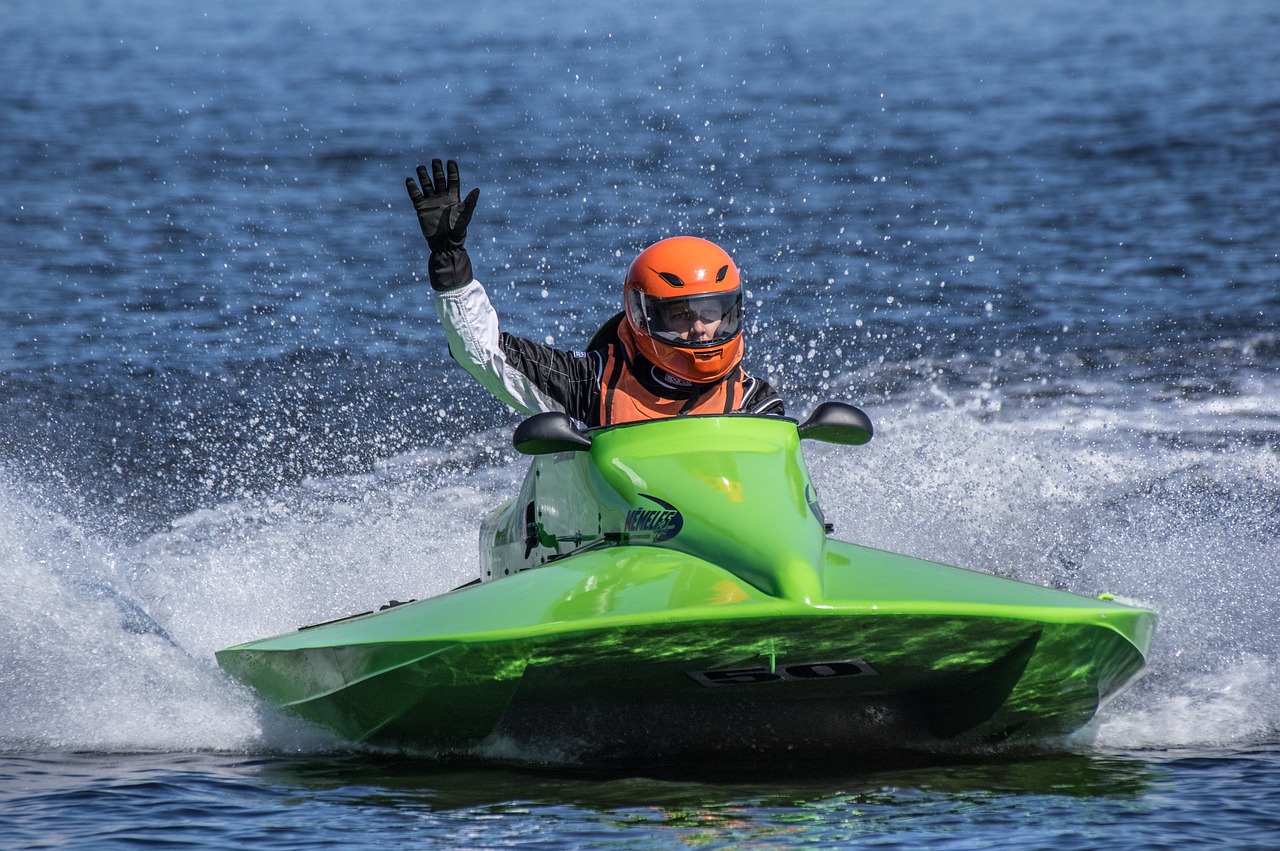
x,y
669,589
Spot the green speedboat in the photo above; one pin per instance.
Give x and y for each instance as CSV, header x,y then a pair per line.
x,y
670,589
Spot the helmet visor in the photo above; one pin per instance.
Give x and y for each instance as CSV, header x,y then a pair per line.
x,y
690,322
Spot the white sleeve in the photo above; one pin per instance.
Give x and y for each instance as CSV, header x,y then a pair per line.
x,y
471,326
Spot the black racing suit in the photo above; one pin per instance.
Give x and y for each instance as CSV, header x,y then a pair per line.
x,y
533,377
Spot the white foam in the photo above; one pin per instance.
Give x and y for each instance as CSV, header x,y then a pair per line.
x,y
1192,533
83,667
112,649
1230,703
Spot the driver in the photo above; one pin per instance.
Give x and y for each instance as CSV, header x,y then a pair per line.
x,y
675,349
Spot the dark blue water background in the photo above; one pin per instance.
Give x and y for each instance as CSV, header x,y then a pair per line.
x,y
1037,241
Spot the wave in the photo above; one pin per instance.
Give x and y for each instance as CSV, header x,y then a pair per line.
x,y
1192,532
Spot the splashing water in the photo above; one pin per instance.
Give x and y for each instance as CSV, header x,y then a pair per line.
x,y
111,648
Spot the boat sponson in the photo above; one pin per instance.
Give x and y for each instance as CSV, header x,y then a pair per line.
x,y
628,630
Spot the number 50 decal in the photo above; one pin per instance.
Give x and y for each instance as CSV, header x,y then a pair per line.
x,y
785,673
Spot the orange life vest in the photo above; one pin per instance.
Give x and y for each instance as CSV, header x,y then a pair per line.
x,y
624,399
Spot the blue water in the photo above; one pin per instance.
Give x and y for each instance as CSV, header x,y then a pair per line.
x,y
1036,241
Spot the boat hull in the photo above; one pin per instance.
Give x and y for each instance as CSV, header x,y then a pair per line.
x,y
643,652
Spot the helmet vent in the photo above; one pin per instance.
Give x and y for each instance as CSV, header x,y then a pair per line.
x,y
673,279
724,270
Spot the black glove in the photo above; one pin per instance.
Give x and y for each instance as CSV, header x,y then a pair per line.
x,y
443,219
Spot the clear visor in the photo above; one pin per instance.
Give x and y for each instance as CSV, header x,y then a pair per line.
x,y
690,322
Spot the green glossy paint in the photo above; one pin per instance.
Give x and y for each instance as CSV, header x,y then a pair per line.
x,y
677,594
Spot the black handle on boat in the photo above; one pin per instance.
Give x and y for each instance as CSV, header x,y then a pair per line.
x,y
544,434
837,422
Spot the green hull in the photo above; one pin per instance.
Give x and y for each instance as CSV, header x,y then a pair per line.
x,y
627,640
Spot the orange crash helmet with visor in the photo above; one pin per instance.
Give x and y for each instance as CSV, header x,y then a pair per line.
x,y
683,301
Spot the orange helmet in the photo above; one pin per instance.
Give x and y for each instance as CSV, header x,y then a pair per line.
x,y
683,300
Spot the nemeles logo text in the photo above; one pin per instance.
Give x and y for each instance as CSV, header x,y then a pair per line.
x,y
663,522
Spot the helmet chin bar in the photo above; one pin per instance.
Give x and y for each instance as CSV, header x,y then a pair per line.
x,y
699,366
